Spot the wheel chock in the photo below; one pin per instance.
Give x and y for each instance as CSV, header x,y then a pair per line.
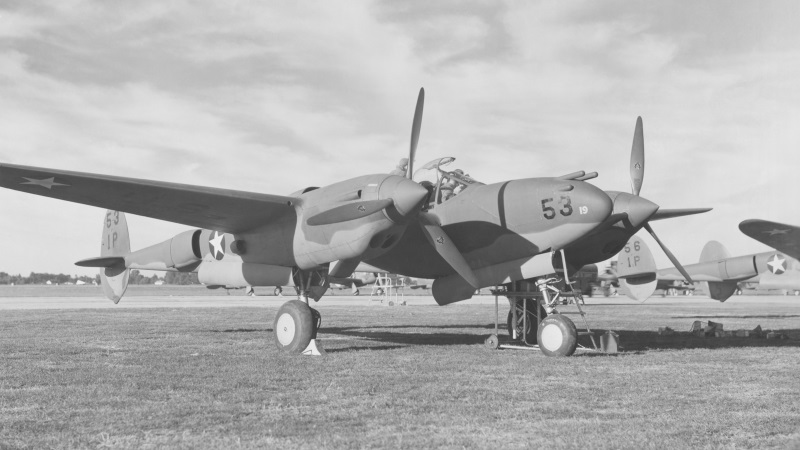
x,y
314,349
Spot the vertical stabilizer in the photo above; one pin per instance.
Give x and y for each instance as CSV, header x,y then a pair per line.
x,y
636,270
714,251
718,290
116,242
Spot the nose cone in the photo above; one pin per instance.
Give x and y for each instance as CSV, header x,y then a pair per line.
x,y
639,209
406,195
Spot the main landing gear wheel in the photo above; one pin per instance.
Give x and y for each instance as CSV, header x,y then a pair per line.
x,y
295,325
557,336
532,321
278,291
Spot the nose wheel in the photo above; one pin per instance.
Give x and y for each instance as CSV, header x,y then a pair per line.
x,y
557,336
295,328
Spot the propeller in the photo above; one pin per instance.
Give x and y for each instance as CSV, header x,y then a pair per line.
x,y
415,129
445,247
668,253
637,158
643,210
429,222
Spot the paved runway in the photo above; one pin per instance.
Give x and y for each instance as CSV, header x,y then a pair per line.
x,y
167,301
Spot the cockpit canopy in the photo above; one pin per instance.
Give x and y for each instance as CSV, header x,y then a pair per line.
x,y
441,183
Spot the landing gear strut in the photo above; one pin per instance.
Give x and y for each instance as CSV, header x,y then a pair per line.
x,y
524,306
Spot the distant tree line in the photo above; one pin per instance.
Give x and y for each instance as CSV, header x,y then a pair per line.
x,y
135,278
43,278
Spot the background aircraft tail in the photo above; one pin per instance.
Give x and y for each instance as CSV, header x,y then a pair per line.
x,y
636,270
714,251
718,290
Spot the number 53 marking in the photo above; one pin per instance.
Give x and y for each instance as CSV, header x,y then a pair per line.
x,y
566,207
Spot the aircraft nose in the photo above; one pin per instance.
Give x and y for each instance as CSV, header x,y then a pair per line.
x,y
639,209
407,196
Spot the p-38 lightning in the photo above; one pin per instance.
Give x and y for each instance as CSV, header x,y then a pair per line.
x,y
436,223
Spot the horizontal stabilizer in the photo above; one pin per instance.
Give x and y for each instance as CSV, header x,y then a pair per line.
x,y
679,212
102,261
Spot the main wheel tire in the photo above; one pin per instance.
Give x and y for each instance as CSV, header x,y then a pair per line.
x,y
557,336
278,291
533,321
294,326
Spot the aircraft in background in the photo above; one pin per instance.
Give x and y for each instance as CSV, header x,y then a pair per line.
x,y
433,224
723,274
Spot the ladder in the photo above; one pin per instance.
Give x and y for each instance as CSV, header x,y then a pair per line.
x,y
574,296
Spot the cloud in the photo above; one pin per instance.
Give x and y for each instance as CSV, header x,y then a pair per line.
x,y
275,97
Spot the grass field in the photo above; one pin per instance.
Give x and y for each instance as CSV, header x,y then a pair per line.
x,y
412,377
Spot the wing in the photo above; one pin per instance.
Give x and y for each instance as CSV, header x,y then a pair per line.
x,y
197,206
781,237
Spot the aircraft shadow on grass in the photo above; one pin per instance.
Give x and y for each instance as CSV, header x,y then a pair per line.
x,y
631,341
642,341
745,316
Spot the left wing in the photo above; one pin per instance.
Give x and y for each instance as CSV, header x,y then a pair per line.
x,y
197,206
781,237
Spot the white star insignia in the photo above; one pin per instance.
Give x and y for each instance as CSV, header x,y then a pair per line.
x,y
777,264
47,183
775,231
216,244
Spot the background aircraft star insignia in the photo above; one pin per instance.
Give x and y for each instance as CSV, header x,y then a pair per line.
x,y
776,231
47,183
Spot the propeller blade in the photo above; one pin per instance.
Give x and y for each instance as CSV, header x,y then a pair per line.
x,y
445,247
637,158
350,211
670,213
415,128
671,257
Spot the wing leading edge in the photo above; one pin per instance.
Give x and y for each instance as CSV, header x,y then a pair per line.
x,y
197,206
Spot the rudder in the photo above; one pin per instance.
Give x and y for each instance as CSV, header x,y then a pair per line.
x,y
116,243
636,270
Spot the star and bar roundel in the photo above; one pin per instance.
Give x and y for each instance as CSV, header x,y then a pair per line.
x,y
777,264
216,245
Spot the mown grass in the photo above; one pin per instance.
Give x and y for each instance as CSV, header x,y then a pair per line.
x,y
394,377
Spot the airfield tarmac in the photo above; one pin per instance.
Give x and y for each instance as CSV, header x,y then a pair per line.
x,y
238,299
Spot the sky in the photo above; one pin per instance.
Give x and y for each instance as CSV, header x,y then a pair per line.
x,y
276,96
